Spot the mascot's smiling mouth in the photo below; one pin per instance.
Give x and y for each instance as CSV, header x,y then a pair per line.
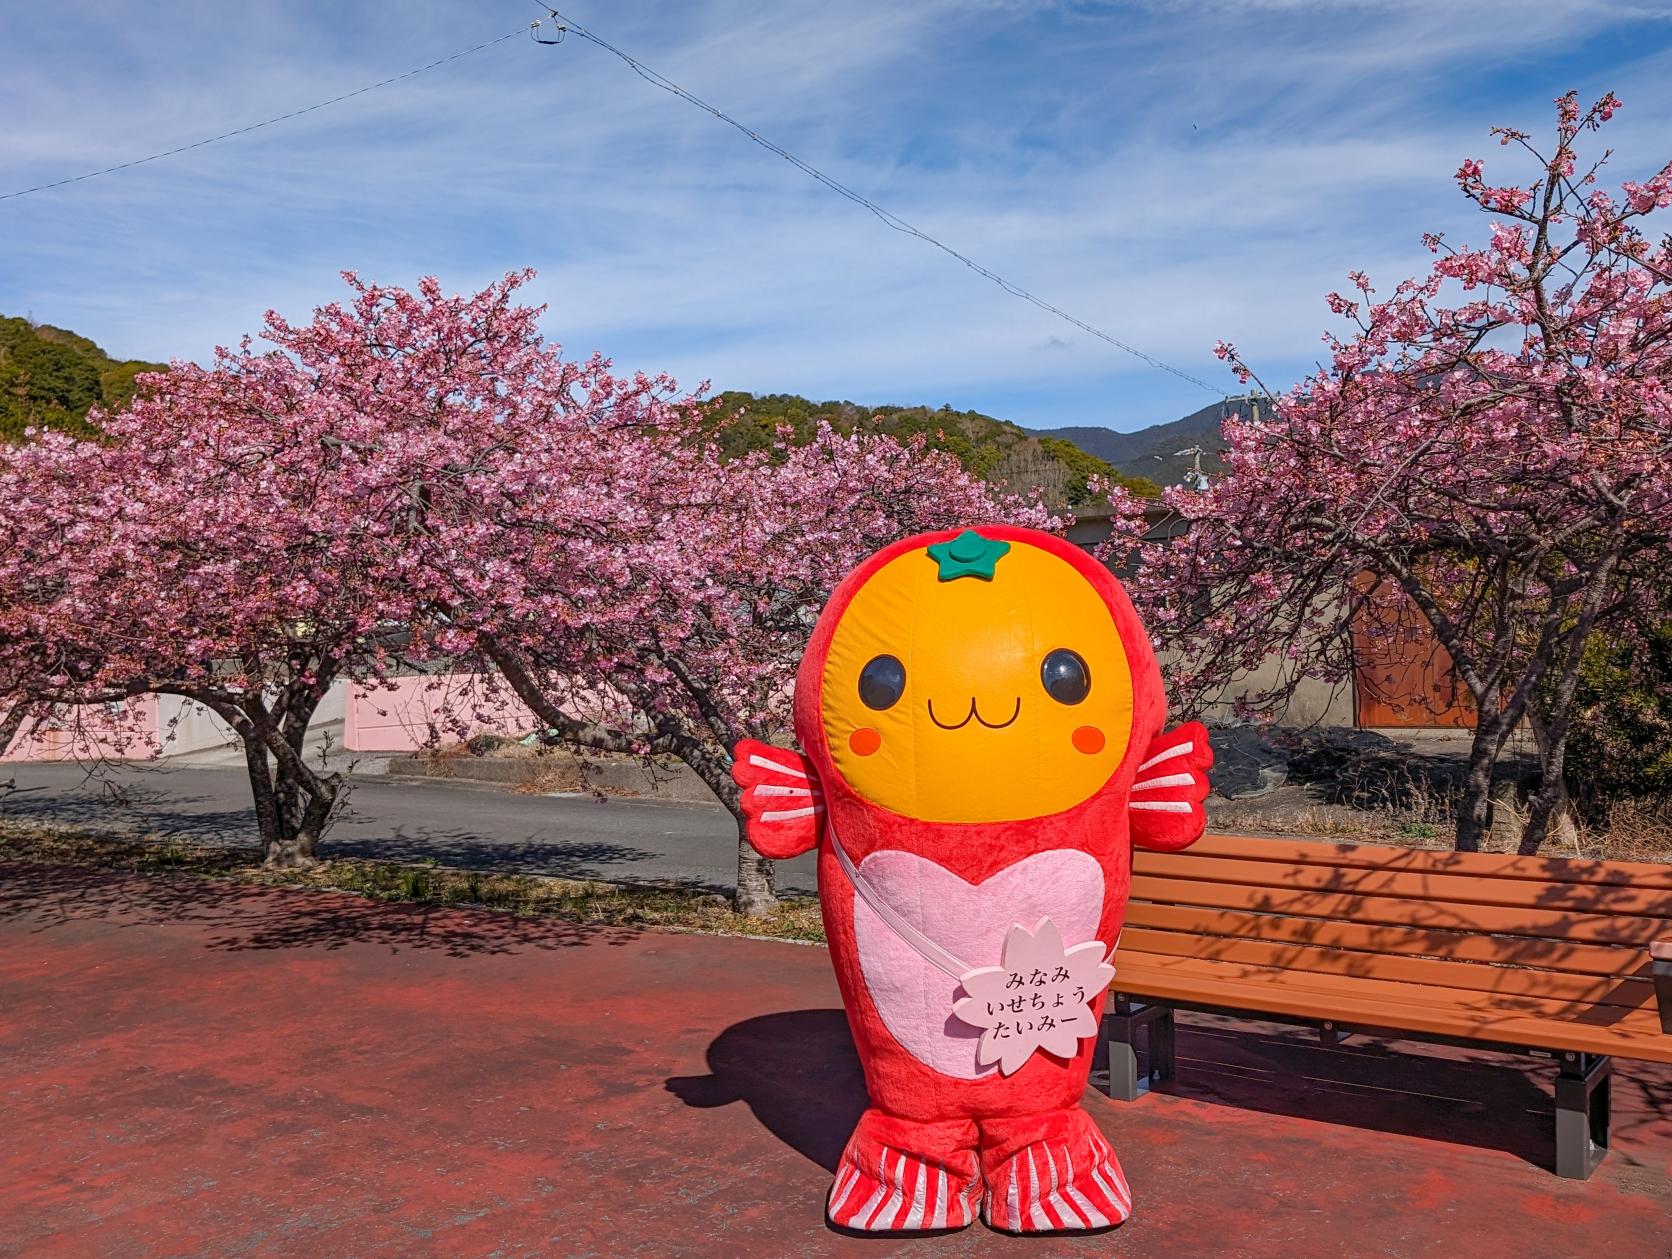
x,y
974,714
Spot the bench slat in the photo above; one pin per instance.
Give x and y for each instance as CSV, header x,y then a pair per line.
x,y
1466,976
1547,955
1408,1007
1464,889
1574,870
1455,1001
1449,915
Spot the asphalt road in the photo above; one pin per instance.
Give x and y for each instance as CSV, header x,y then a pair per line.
x,y
457,824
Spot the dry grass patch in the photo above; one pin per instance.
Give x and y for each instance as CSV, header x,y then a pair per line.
x,y
427,883
1635,830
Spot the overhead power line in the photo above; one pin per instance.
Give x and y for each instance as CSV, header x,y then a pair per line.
x,y
840,189
257,126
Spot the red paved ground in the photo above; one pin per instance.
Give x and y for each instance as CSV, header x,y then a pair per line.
x,y
188,1069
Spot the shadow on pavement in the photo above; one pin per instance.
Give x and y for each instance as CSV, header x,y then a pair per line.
x,y
797,1071
146,812
241,917
1462,1097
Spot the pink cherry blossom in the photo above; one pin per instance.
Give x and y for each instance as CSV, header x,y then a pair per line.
x,y
410,478
1489,449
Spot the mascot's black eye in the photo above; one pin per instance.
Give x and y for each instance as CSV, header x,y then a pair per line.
x,y
882,682
1066,678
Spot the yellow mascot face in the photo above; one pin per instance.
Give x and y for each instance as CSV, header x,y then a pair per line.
x,y
977,681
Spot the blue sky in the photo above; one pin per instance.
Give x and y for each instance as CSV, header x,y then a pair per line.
x,y
1171,172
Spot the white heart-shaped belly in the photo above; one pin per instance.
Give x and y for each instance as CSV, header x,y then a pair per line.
x,y
968,920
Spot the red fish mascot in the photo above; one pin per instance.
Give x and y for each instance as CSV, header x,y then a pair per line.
x,y
982,716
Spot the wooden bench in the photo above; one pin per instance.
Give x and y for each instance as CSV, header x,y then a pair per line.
x,y
1564,959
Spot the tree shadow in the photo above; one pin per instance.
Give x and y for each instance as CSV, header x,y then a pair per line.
x,y
552,844
1485,1100
98,802
797,1071
235,917
1361,770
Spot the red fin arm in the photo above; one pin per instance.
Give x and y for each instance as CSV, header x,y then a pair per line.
x,y
1166,803
782,802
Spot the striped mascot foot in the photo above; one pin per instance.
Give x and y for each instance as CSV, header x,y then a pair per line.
x,y
898,1175
1051,1173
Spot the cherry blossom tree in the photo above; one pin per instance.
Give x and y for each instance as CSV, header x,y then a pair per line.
x,y
1489,445
207,550
677,629
576,537
412,477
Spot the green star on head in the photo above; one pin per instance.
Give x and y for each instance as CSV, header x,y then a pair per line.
x,y
968,555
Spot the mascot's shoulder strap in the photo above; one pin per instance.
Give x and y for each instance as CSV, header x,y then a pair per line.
x,y
1166,803
782,802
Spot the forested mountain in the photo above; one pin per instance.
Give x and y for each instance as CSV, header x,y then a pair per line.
x,y
1152,452
995,450
50,377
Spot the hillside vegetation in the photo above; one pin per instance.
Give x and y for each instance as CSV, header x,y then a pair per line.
x,y
1153,452
50,378
995,450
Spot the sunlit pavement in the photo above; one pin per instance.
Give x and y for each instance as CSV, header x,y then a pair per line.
x,y
192,1068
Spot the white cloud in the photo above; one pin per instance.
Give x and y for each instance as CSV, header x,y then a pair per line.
x,y
1170,172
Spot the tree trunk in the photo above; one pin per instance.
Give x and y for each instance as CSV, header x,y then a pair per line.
x,y
1550,811
269,816
1550,728
1550,816
757,894
290,830
301,826
1474,809
322,798
708,757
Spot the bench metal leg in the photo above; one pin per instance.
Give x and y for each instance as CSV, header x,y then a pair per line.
x,y
1120,1028
1582,1089
1162,1064
1662,972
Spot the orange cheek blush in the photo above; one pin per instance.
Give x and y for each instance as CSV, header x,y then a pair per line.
x,y
1087,739
865,741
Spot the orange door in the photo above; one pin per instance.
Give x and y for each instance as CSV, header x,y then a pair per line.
x,y
1403,676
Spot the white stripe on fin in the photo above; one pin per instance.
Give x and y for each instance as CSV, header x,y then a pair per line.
x,y
1178,749
761,762
789,815
1157,806
774,789
1170,780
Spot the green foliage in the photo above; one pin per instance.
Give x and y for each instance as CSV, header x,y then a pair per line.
x,y
1082,466
992,449
50,378
1620,743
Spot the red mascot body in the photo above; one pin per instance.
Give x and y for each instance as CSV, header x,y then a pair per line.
x,y
982,715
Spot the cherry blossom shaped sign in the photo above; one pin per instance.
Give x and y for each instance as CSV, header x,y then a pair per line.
x,y
1040,998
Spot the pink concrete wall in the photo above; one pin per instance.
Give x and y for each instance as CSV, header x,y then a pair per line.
x,y
397,717
89,732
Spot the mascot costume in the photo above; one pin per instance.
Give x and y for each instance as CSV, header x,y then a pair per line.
x,y
982,718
